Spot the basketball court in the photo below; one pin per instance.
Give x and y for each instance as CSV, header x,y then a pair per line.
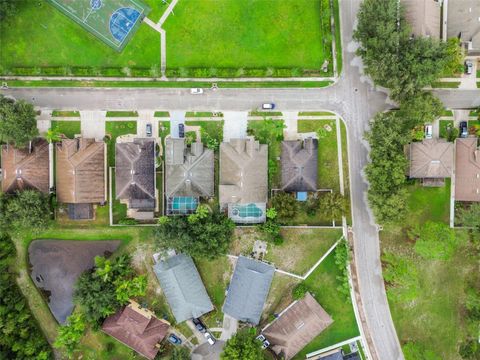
x,y
112,21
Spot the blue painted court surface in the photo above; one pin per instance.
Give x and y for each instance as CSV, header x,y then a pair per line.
x,y
122,21
112,21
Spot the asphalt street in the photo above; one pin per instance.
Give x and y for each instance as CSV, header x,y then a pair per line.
x,y
353,97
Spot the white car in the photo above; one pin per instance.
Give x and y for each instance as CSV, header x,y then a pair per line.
x,y
210,339
428,131
268,106
196,91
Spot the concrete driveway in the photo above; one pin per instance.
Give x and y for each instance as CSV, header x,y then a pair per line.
x,y
208,352
235,125
93,124
176,118
146,117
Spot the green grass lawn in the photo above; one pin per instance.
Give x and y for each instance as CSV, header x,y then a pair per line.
x,y
122,114
435,319
444,126
249,34
323,283
214,129
446,84
61,113
162,114
116,129
42,37
67,128
328,177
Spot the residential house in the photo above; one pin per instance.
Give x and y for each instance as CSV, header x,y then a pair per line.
x,y
135,177
244,179
189,173
80,175
463,22
424,16
248,290
25,168
137,328
431,160
296,326
183,287
467,169
336,354
299,165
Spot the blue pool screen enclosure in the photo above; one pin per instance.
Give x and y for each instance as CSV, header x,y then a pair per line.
x,y
181,205
252,213
112,21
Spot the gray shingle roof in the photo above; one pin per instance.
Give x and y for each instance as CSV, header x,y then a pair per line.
x,y
248,290
299,165
183,287
135,173
189,171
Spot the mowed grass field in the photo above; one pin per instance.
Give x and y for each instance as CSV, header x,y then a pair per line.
x,y
247,33
41,36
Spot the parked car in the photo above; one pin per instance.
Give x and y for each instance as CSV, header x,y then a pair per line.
x,y
468,67
268,106
428,131
210,339
199,325
463,129
149,130
173,339
196,91
265,342
181,130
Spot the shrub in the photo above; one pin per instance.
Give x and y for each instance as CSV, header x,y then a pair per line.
x,y
299,291
128,221
286,205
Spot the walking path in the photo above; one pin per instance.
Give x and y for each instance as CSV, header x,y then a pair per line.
x,y
163,38
340,155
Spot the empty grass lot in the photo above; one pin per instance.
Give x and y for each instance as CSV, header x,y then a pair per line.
x,y
67,128
435,319
249,33
323,285
41,36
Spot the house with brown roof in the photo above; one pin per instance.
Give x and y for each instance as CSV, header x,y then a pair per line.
x,y
80,175
463,22
189,175
296,326
244,179
137,328
431,160
135,176
26,168
424,17
299,165
467,169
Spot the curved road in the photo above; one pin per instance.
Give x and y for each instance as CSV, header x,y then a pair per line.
x,y
353,97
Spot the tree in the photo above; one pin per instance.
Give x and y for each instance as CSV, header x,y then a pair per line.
x,y
342,258
394,59
470,216
69,335
180,353
333,205
455,57
435,241
105,288
207,235
401,276
299,291
7,8
286,206
243,346
267,131
386,171
419,110
53,135
18,124
27,209
20,335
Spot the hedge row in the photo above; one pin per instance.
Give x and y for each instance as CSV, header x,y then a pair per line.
x,y
242,72
170,72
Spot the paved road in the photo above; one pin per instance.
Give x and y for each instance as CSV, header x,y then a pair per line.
x,y
353,97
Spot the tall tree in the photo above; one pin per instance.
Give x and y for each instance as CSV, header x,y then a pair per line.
x,y
69,335
7,8
28,209
243,346
206,235
17,122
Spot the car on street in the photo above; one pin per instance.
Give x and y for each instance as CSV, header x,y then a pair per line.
x,y
181,131
468,67
263,339
173,339
196,91
463,129
149,130
199,325
268,106
428,131
210,339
